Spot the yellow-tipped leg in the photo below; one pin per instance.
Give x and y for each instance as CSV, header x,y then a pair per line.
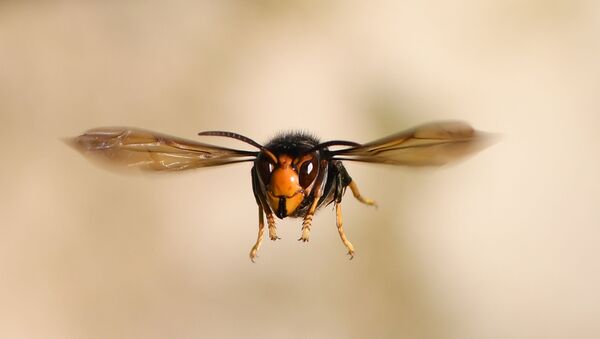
x,y
261,231
306,228
308,220
340,227
359,197
272,228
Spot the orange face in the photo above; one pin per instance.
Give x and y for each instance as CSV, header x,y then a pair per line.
x,y
287,181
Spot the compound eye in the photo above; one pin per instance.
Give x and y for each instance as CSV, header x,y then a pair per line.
x,y
308,172
265,169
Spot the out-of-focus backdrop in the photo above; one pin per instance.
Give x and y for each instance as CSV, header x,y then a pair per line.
x,y
503,245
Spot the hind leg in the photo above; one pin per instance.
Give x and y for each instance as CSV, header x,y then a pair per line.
x,y
358,196
347,181
261,231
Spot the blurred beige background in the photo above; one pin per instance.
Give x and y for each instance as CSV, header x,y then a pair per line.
x,y
503,245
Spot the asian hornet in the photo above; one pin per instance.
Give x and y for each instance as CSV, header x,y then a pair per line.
x,y
294,174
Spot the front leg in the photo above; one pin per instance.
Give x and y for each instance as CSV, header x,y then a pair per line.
x,y
259,195
308,220
317,193
272,227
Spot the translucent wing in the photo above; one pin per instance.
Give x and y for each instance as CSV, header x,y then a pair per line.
x,y
431,144
153,151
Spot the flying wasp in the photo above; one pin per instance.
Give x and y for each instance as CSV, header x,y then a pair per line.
x,y
294,174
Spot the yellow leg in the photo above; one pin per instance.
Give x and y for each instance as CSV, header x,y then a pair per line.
x,y
261,231
359,197
340,227
308,220
272,228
